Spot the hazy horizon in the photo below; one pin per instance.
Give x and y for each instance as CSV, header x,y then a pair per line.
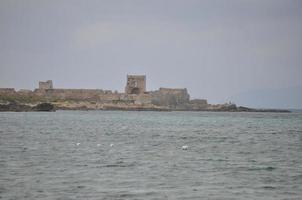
x,y
242,51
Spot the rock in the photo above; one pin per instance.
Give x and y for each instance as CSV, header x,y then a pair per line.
x,y
44,107
14,107
17,107
246,109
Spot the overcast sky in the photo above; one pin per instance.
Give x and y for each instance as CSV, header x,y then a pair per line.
x,y
216,49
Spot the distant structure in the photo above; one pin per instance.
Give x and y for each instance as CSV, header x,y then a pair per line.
x,y
136,84
7,91
45,85
135,95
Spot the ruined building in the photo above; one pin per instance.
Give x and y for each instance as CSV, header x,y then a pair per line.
x,y
135,95
135,84
45,85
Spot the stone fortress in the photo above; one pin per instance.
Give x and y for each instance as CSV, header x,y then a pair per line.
x,y
134,97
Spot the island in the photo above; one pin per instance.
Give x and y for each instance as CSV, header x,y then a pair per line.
x,y
135,97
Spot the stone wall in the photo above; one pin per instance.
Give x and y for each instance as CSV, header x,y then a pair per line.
x,y
199,101
143,99
7,91
198,104
170,97
95,95
24,91
135,94
45,85
78,94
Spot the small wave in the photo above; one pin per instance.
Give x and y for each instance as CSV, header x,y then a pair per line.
x,y
262,168
155,135
81,165
269,187
297,177
244,152
216,160
118,165
133,195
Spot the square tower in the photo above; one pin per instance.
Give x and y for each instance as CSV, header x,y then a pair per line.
x,y
136,84
45,85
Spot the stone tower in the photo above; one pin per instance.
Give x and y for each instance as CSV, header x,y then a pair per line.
x,y
136,84
45,85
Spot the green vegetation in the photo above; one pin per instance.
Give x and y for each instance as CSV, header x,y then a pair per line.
x,y
21,99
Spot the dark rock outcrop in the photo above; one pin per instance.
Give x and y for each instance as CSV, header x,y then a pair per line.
x,y
14,107
44,107
246,109
17,107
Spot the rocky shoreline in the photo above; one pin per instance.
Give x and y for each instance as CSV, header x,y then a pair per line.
x,y
18,107
134,98
53,106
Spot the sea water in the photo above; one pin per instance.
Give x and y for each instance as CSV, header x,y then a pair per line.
x,y
139,155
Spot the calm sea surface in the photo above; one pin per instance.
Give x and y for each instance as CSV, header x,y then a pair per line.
x,y
68,155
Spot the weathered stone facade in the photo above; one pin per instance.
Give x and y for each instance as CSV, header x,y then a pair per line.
x,y
45,85
135,94
136,84
170,97
7,91
135,98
